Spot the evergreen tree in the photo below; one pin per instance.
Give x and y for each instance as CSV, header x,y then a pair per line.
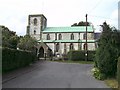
x,y
108,51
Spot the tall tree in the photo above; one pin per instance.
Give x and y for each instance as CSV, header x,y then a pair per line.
x,y
9,38
108,51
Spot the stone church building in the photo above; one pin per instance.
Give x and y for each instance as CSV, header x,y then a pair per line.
x,y
59,40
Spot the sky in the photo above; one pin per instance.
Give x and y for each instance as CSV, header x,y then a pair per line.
x,y
14,13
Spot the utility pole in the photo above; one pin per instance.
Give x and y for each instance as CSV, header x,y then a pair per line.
x,y
86,46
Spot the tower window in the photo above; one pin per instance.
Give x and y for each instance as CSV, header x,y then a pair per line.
x,y
34,31
48,36
35,21
60,37
72,36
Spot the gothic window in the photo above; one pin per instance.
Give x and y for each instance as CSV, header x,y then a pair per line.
x,y
48,36
84,36
72,36
35,21
34,31
79,36
65,48
57,47
60,37
71,46
84,46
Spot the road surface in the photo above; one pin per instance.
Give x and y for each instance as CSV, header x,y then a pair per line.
x,y
48,74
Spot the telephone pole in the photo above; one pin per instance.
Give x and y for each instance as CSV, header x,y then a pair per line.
x,y
86,46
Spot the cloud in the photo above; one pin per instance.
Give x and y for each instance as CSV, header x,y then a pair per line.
x,y
14,13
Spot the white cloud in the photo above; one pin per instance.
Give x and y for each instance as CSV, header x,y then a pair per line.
x,y
14,13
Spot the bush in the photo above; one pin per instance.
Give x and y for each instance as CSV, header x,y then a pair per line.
x,y
118,73
91,55
76,55
80,55
97,74
13,59
105,61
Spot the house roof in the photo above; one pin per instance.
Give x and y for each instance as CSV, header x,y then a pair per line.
x,y
66,41
75,29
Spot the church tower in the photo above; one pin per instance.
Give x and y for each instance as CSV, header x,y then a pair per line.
x,y
36,24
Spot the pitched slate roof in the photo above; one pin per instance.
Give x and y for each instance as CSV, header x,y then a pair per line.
x,y
68,29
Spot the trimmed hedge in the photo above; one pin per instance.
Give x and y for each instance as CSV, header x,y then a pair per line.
x,y
118,73
13,59
80,55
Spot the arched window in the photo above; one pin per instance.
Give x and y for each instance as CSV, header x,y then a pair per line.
x,y
71,46
65,48
85,46
57,47
60,37
72,36
84,36
34,31
48,36
35,21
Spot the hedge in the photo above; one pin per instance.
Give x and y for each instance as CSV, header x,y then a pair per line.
x,y
80,55
13,59
118,73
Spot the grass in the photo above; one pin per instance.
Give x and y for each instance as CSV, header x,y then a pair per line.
x,y
70,61
112,83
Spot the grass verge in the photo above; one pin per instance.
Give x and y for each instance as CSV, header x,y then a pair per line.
x,y
112,83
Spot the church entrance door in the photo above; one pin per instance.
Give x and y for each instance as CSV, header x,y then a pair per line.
x,y
41,52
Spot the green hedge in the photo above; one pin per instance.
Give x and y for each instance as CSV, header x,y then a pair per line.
x,y
13,59
80,55
118,73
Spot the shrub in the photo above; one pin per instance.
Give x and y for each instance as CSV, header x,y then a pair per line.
x,y
118,73
13,59
76,55
91,55
105,61
80,55
97,74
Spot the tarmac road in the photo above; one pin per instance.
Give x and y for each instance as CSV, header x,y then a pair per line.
x,y
48,74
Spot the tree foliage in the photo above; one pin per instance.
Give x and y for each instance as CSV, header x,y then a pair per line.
x,y
27,43
9,38
108,51
81,24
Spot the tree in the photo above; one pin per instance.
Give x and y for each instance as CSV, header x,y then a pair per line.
x,y
27,43
108,51
81,23
9,38
13,41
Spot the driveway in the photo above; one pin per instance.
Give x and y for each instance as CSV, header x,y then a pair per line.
x,y
53,75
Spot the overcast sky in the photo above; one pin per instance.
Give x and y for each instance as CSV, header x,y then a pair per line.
x,y
14,13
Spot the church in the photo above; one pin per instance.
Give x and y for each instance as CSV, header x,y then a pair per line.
x,y
59,40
